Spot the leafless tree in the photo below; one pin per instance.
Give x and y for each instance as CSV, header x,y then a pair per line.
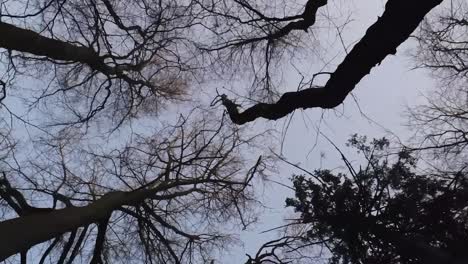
x,y
145,56
121,58
442,120
166,198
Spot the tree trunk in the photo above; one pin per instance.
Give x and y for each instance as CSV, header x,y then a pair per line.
x,y
20,234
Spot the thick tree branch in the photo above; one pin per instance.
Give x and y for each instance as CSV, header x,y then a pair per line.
x,y
24,40
21,233
398,21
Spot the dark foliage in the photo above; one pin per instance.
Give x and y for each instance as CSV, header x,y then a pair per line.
x,y
385,212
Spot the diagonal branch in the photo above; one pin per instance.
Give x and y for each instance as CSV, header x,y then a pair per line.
x,y
25,40
398,21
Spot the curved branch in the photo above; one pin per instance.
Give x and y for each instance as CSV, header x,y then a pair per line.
x,y
398,21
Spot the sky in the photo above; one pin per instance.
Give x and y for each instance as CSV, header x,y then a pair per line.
x,y
382,97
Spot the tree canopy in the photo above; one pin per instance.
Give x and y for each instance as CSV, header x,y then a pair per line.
x,y
118,144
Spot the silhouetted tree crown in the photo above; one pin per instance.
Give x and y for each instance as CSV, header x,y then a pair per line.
x,y
385,212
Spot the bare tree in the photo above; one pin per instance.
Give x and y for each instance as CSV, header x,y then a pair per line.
x,y
442,120
166,198
93,56
153,44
